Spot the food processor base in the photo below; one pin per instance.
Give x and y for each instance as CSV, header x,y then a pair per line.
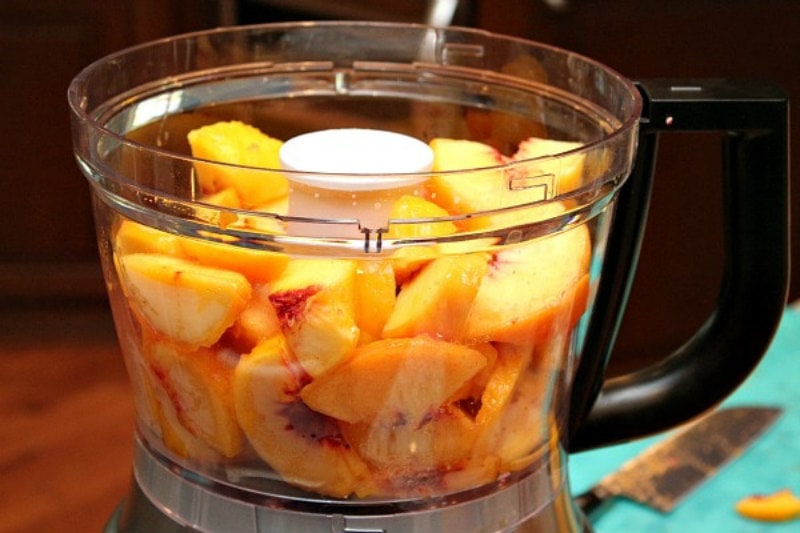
x,y
193,504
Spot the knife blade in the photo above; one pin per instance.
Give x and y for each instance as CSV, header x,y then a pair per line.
x,y
666,472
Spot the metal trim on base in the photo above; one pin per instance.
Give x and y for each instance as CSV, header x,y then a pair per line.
x,y
540,499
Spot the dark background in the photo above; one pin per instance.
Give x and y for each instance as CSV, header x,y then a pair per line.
x,y
47,244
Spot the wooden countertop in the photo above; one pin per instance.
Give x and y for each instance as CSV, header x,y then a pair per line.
x,y
66,437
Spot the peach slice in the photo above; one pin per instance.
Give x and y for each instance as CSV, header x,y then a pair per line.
x,y
189,303
315,300
516,432
474,473
408,260
530,287
256,265
566,170
257,322
410,207
511,362
437,300
409,378
488,184
236,143
144,397
482,186
227,197
259,221
132,237
193,389
468,397
304,447
466,192
499,393
375,297
779,506
177,438
407,455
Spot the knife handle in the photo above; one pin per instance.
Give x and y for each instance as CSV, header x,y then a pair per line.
x,y
591,500
753,117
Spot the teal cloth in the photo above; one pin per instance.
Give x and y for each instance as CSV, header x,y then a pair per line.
x,y
770,464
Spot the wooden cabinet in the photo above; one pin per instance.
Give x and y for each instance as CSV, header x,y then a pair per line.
x,y
47,244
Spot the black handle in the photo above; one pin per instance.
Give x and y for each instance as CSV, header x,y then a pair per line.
x,y
591,500
754,117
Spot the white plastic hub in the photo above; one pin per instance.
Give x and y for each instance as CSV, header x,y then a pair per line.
x,y
359,159
351,174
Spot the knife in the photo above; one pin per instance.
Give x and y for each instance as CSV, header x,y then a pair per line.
x,y
669,470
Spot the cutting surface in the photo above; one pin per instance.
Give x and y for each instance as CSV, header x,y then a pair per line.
x,y
771,464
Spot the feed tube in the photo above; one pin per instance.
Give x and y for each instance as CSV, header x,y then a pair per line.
x,y
350,173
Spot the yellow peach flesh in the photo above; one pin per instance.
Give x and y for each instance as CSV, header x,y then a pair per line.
x,y
256,265
132,237
304,447
437,300
567,171
530,286
189,303
375,297
194,393
236,143
779,506
315,300
405,378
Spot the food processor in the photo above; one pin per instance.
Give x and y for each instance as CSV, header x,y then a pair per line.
x,y
366,277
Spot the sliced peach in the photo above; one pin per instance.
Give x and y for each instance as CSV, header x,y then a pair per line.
x,y
530,287
256,265
260,221
188,303
567,171
512,361
132,237
410,207
494,401
552,348
236,143
278,206
375,297
466,192
437,300
315,300
144,397
408,260
227,197
305,448
255,324
474,473
406,378
522,428
512,421
484,186
180,440
469,395
194,392
779,506
405,455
